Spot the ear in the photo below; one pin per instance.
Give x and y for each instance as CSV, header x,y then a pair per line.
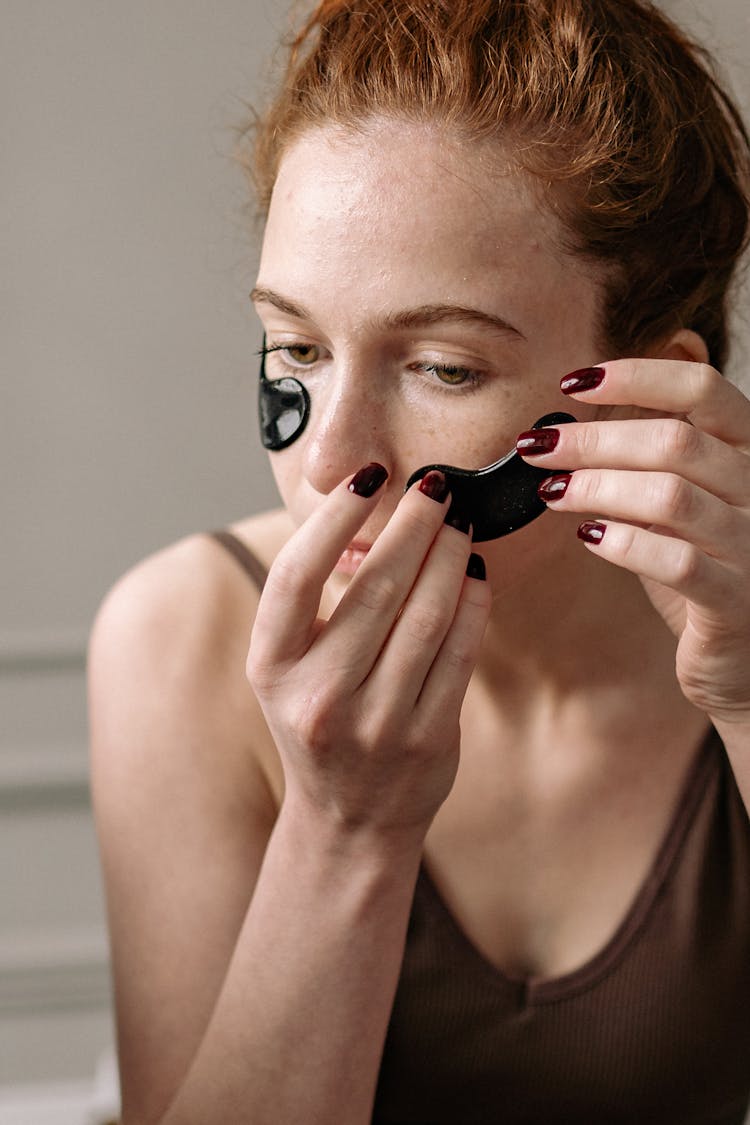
x,y
684,345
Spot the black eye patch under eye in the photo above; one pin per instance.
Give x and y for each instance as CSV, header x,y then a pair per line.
x,y
283,408
501,497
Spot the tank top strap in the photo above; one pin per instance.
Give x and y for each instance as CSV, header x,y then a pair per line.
x,y
250,563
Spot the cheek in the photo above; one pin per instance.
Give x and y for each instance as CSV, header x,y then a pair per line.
x,y
484,428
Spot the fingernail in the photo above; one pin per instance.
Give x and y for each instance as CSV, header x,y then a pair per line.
x,y
459,521
592,532
585,379
368,480
434,485
553,488
532,442
475,567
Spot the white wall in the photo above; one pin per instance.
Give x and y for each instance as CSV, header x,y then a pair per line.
x,y
127,413
127,418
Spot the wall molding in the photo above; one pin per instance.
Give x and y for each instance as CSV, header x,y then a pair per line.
x,y
24,651
43,775
61,970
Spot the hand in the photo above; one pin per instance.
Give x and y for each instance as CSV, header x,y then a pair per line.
x,y
674,494
365,707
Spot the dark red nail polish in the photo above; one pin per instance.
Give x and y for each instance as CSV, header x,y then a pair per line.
x,y
434,485
475,567
592,532
368,480
532,442
585,379
554,488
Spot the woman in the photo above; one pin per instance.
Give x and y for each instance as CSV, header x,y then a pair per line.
x,y
468,844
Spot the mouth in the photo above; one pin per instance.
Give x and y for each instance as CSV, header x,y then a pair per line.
x,y
352,558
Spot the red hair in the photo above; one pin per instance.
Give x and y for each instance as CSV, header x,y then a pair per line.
x,y
606,101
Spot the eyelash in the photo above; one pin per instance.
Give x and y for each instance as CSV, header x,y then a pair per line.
x,y
472,377
269,348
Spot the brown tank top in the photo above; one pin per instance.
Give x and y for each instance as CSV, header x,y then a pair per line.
x,y
654,1030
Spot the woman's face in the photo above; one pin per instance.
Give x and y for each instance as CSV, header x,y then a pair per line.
x,y
420,294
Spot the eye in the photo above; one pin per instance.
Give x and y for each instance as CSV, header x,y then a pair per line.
x,y
450,374
296,355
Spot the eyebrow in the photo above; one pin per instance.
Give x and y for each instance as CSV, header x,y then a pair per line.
x,y
419,317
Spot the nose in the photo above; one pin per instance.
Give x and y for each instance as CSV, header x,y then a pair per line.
x,y
348,427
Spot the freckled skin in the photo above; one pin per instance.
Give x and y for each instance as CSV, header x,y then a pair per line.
x,y
396,217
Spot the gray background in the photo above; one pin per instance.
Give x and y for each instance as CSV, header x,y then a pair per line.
x,y
127,418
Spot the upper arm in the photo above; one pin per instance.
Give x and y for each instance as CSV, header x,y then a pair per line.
x,y
183,807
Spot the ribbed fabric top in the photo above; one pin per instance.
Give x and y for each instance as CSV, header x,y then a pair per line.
x,y
653,1030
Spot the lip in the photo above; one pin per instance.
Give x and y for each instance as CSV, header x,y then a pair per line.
x,y
353,557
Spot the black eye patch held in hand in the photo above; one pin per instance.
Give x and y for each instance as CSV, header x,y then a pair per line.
x,y
501,497
283,408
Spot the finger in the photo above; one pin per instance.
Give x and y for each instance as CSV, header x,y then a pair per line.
x,y
694,390
671,562
448,678
379,590
424,621
289,605
665,500
666,444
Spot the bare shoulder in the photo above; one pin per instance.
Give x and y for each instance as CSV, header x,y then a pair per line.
x,y
186,785
167,652
189,583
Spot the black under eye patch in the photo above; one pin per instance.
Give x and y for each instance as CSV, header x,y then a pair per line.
x,y
283,408
495,500
500,498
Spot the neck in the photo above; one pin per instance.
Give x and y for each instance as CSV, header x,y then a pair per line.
x,y
585,631
578,683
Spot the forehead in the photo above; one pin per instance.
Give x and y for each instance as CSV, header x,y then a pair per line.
x,y
397,203
332,174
